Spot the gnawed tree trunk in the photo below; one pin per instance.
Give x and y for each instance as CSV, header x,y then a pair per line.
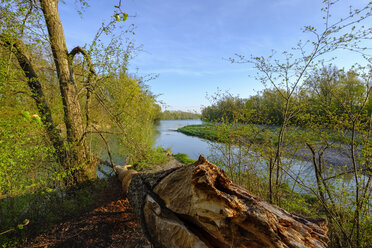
x,y
198,206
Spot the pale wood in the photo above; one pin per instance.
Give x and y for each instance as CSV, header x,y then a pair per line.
x,y
198,206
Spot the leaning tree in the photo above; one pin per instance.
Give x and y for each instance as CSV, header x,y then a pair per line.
x,y
25,22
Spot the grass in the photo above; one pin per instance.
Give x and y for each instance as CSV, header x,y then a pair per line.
x,y
205,131
44,210
155,157
227,133
258,134
184,158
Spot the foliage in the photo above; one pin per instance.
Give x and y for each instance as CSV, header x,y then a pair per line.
x,y
318,110
339,122
45,208
320,96
226,108
206,131
134,109
178,115
184,158
156,156
38,180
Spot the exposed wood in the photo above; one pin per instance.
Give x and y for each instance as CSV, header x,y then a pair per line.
x,y
125,176
198,206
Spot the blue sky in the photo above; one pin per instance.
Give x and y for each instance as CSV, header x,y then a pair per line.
x,y
188,42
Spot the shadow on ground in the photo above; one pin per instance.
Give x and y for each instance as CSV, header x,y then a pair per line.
x,y
111,224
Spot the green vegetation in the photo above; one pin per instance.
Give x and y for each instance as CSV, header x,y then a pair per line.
x,y
254,133
325,93
255,157
43,207
62,111
184,158
205,131
155,157
56,127
316,109
178,115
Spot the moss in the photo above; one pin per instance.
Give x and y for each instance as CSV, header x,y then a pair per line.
x,y
184,158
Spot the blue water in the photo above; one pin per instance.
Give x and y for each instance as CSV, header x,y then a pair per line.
x,y
178,142
168,137
231,159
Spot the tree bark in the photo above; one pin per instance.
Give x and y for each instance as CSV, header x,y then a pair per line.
x,y
79,153
21,52
198,206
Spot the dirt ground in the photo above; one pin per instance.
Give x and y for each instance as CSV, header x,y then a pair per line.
x,y
111,224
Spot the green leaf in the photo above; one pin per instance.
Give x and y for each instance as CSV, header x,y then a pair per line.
x,y
36,118
26,115
117,17
125,16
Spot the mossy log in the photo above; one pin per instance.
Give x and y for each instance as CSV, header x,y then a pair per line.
x,y
198,206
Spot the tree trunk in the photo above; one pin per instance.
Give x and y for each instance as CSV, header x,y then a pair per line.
x,y
78,153
21,52
198,206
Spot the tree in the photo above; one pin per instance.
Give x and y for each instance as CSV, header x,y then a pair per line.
x,y
78,152
198,206
74,154
346,114
61,110
286,72
23,26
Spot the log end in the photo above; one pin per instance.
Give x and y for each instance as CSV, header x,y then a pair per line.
x,y
199,206
125,176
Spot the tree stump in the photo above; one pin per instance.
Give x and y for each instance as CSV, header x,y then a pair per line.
x,y
198,206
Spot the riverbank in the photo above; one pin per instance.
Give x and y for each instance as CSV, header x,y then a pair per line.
x,y
253,135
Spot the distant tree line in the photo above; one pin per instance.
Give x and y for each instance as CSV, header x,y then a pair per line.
x,y
178,115
326,93
328,112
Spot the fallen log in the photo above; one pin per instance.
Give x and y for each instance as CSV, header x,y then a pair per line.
x,y
198,206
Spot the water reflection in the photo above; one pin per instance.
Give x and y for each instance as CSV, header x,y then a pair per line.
x,y
246,160
179,142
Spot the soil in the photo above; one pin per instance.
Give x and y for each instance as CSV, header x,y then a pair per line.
x,y
111,224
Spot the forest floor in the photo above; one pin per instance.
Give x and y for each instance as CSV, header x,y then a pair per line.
x,y
111,222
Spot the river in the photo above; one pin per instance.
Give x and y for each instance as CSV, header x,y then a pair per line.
x,y
178,142
168,137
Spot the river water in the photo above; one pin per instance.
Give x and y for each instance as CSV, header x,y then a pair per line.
x,y
168,137
231,159
178,142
